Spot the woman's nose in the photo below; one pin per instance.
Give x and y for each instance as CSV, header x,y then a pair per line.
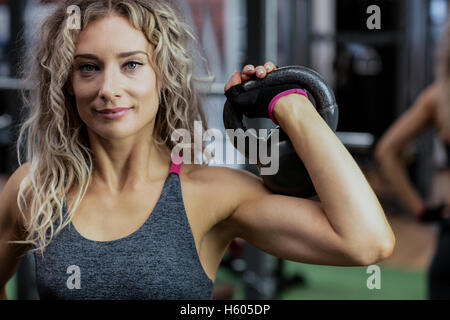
x,y
109,88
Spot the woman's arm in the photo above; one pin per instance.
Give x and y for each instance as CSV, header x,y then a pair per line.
x,y
389,149
10,229
348,226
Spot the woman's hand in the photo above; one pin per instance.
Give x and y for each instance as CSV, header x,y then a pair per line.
x,y
248,72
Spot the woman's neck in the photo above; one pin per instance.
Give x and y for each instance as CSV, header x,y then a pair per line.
x,y
124,165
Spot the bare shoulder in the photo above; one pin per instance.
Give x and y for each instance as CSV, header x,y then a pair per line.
x,y
20,172
427,105
226,177
8,198
433,90
434,96
429,98
227,187
410,124
424,105
11,227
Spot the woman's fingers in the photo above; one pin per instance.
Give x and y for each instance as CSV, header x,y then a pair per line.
x,y
270,66
262,71
248,72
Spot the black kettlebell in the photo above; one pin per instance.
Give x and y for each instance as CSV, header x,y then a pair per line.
x,y
292,177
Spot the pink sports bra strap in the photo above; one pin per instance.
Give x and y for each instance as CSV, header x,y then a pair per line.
x,y
176,164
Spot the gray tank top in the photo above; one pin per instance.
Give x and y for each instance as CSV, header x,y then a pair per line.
x,y
159,261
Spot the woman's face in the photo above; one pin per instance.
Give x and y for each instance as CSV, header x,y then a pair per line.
x,y
113,81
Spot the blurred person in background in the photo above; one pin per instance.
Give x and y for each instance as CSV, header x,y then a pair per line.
x,y
431,108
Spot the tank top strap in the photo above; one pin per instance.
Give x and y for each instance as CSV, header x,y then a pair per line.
x,y
176,164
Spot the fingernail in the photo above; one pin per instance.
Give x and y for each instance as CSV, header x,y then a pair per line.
x,y
268,67
250,68
260,72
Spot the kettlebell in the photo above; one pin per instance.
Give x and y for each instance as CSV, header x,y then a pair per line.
x,y
292,178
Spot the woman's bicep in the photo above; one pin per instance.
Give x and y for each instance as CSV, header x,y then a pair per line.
x,y
291,228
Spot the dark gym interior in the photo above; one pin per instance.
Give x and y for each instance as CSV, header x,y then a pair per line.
x,y
376,75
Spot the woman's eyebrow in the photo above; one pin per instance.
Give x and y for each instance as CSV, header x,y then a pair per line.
x,y
120,55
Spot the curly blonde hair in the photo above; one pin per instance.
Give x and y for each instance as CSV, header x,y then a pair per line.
x,y
443,78
57,146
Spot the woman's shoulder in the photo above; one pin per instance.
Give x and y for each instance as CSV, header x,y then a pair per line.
x,y
8,198
223,189
429,97
436,98
424,111
14,181
432,96
221,175
227,183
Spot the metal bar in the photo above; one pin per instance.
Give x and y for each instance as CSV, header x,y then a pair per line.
x,y
301,37
271,31
7,83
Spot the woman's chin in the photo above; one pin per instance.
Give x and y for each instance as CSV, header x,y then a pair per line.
x,y
113,133
121,131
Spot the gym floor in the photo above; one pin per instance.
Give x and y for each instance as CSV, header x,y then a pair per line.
x,y
403,274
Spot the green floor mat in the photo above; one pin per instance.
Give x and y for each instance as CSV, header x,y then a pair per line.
x,y
344,283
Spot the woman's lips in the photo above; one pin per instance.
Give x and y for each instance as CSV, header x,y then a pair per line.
x,y
113,114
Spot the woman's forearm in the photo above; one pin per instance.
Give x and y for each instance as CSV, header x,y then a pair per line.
x,y
396,174
349,202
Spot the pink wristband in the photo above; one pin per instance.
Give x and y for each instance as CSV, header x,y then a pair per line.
x,y
278,96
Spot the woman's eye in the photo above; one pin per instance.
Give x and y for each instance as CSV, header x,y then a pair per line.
x,y
133,63
85,67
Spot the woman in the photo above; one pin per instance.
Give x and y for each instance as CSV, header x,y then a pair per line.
x,y
112,217
432,108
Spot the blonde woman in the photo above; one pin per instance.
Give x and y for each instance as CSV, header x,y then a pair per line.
x,y
432,108
109,216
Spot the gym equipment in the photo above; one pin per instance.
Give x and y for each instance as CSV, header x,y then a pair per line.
x,y
292,177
